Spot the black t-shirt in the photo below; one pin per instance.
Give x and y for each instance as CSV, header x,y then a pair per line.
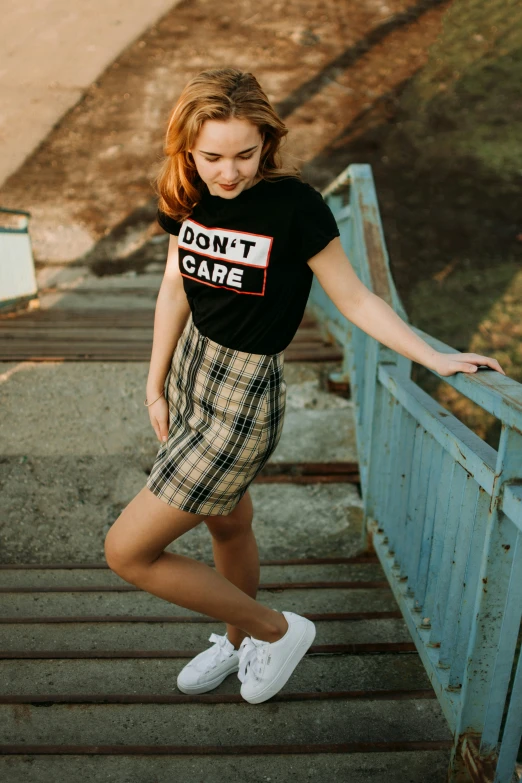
x,y
243,261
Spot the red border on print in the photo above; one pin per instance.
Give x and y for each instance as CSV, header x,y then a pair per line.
x,y
226,287
232,231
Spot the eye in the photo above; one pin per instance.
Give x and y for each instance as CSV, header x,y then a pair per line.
x,y
241,157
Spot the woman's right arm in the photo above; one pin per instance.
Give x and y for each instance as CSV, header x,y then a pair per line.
x,y
171,314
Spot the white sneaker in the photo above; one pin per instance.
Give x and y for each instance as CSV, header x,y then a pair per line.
x,y
209,668
264,667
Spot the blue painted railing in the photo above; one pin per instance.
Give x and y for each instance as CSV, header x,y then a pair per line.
x,y
442,508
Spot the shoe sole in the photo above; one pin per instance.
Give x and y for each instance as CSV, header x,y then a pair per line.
x,y
209,685
287,669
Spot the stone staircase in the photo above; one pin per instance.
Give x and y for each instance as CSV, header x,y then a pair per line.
x,y
88,686
89,663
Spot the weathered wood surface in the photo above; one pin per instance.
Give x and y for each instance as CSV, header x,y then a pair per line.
x,y
442,508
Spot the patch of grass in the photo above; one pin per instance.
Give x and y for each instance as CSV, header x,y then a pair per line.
x,y
476,312
479,311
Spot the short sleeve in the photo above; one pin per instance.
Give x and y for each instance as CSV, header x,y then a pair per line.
x,y
315,223
168,224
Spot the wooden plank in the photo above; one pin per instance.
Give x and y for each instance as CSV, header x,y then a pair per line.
x,y
133,352
232,750
125,588
214,698
102,334
123,618
355,559
355,648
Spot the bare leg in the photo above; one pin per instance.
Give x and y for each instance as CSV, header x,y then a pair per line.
x,y
134,549
235,553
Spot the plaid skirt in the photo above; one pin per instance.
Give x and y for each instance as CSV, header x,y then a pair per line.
x,y
226,411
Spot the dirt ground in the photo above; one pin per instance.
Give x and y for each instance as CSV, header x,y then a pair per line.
x,y
88,185
344,77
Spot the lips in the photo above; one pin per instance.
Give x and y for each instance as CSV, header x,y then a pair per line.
x,y
229,187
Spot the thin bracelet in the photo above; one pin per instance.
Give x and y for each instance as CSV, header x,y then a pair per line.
x,y
150,403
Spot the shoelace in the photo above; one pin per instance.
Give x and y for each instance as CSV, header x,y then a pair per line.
x,y
220,652
252,654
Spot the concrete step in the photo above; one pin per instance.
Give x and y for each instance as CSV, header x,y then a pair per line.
x,y
317,436
95,668
141,603
95,448
59,509
178,636
109,299
189,724
157,677
357,767
43,333
309,434
80,279
60,578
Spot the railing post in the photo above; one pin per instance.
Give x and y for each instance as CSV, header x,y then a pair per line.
x,y
377,435
490,652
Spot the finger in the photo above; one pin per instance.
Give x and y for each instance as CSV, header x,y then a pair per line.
x,y
495,365
489,361
163,429
155,427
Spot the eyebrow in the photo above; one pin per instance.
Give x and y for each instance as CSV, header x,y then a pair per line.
x,y
239,153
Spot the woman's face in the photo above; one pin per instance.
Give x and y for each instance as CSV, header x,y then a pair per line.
x,y
227,152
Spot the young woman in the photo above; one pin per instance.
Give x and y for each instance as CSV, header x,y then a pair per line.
x,y
246,236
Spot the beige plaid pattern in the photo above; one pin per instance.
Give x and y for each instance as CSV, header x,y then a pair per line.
x,y
226,417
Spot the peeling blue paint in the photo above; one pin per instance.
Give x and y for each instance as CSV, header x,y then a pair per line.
x,y
443,507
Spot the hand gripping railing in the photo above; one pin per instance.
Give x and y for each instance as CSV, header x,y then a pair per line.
x,y
442,508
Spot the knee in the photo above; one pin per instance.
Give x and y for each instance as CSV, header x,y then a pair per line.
x,y
113,554
118,557
228,528
236,524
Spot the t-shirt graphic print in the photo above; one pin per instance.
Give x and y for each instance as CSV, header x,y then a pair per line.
x,y
223,258
243,261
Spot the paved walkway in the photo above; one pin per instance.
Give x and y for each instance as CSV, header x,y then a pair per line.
x,y
55,50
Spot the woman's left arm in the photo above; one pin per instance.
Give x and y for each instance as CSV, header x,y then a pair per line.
x,y
375,317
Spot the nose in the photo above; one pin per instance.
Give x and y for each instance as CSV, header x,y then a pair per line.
x,y
229,172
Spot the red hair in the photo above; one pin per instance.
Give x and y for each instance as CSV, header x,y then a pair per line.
x,y
217,94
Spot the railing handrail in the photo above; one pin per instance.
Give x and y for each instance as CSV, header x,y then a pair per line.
x,y
497,389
